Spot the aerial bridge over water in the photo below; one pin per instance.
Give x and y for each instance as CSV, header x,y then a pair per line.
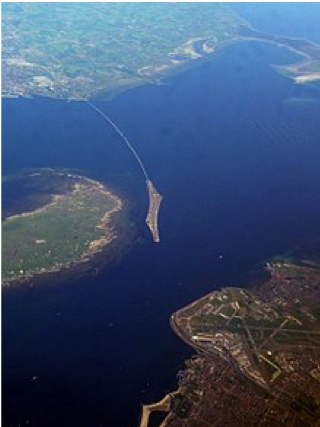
x,y
155,198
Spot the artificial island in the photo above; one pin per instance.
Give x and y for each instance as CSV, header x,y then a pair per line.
x,y
258,354
155,199
58,223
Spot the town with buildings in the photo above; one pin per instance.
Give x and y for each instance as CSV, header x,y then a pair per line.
x,y
258,353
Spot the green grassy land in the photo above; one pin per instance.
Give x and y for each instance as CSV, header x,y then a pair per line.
x,y
56,236
81,49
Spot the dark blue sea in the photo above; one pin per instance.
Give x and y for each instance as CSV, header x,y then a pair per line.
x,y
234,148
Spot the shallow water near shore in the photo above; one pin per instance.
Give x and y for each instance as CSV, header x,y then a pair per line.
x,y
238,167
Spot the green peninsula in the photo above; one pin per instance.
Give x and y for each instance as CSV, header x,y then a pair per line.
x,y
59,221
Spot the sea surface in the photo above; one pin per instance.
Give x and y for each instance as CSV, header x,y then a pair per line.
x,y
234,148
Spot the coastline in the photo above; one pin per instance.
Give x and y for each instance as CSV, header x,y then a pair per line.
x,y
88,267
194,56
293,282
98,252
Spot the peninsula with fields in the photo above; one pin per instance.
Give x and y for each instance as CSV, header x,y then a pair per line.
x,y
84,50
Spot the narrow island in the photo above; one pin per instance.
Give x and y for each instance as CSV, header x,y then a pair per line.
x,y
59,221
155,200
